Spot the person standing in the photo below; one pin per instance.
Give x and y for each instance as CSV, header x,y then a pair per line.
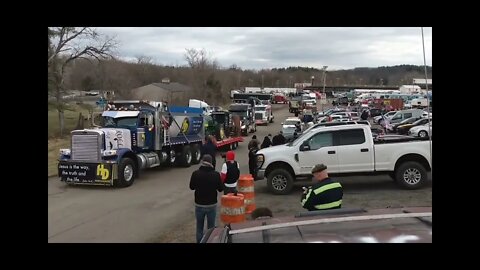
x,y
266,141
206,182
230,173
278,139
324,194
209,148
252,160
254,140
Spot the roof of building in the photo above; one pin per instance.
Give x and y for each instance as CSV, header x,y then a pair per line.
x,y
422,81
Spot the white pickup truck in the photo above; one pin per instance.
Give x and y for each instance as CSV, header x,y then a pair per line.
x,y
346,150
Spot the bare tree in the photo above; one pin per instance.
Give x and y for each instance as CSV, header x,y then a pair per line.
x,y
65,45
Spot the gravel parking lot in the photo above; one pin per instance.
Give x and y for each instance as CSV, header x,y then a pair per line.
x,y
359,191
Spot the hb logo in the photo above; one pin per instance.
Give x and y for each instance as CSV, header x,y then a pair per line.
x,y
104,173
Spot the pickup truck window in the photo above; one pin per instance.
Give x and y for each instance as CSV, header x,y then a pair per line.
x,y
349,137
320,140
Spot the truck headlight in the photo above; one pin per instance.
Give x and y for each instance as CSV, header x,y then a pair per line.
x,y
260,160
109,153
65,152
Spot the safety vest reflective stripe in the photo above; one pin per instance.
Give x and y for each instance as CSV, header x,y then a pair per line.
x,y
328,205
326,187
306,197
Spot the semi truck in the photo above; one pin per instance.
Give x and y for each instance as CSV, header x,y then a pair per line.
x,y
244,112
134,135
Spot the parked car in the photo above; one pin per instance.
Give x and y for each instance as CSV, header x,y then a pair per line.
x,y
410,120
377,119
403,129
375,112
421,131
404,114
387,225
289,127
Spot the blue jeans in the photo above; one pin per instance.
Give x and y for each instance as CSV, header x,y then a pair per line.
x,y
200,213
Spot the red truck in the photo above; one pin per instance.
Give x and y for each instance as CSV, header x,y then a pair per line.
x,y
279,98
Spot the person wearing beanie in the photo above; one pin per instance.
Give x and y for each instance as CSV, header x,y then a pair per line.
x,y
324,194
206,182
230,173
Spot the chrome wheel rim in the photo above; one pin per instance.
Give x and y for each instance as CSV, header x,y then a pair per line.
x,y
128,172
412,176
197,155
279,182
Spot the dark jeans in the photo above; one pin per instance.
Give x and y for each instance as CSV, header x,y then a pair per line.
x,y
200,213
227,190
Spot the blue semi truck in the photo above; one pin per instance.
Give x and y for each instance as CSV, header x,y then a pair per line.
x,y
135,135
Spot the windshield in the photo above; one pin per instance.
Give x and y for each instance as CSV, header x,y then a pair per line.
x,y
260,109
241,114
420,122
130,122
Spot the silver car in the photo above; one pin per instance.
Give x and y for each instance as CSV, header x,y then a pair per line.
x,y
422,131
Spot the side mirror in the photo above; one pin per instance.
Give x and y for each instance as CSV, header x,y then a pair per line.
x,y
305,146
281,123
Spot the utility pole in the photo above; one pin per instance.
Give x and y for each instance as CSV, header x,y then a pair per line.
x,y
324,77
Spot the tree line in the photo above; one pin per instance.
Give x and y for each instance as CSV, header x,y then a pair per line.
x,y
82,59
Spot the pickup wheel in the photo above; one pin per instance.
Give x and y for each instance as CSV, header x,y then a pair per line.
x,y
411,175
126,173
280,182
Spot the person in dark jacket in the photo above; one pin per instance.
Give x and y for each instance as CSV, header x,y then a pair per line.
x,y
252,160
209,148
206,182
266,141
324,194
278,139
254,140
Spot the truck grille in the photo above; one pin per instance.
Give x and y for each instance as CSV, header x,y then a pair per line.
x,y
258,116
86,147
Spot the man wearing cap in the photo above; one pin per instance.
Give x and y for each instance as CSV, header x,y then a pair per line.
x,y
206,182
230,173
324,194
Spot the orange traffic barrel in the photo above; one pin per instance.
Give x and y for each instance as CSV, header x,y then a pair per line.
x,y
233,208
245,186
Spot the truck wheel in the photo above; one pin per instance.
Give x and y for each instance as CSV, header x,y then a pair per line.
x,y
411,175
126,173
280,182
196,154
185,158
171,158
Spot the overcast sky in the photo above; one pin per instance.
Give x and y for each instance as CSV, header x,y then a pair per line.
x,y
262,47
